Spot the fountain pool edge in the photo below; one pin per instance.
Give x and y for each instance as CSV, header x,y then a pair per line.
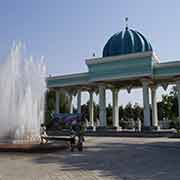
x,y
33,148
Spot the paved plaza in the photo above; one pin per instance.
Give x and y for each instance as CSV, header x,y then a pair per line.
x,y
103,158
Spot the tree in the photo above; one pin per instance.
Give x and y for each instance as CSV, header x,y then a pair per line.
x,y
121,112
50,106
137,112
109,115
51,103
85,109
170,105
168,108
128,112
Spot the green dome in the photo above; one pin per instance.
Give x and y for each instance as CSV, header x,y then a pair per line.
x,y
126,42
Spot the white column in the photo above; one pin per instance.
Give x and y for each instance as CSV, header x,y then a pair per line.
x,y
102,106
147,122
178,96
70,98
91,109
57,101
115,108
79,101
154,107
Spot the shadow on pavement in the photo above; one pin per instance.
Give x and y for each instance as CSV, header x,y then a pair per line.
x,y
127,161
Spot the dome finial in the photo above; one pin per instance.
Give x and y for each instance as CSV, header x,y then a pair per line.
x,y
126,20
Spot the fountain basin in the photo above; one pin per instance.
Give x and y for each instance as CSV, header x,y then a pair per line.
x,y
33,148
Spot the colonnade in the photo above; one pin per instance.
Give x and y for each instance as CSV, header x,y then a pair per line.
x,y
146,86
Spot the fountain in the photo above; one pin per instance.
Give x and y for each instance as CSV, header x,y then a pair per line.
x,y
22,84
22,89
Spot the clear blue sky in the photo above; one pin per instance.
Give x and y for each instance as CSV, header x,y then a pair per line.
x,y
67,32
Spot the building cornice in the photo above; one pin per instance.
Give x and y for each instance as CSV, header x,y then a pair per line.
x,y
168,64
121,78
121,58
68,76
69,84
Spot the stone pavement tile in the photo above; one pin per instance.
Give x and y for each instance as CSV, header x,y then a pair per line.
x,y
102,159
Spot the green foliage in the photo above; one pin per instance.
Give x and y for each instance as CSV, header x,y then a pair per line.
x,y
168,108
109,115
85,109
50,105
175,123
128,112
137,112
126,115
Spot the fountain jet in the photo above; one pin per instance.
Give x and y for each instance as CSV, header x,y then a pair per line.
x,y
22,89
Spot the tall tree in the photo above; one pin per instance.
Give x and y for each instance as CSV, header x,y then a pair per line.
x,y
170,105
137,112
109,115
